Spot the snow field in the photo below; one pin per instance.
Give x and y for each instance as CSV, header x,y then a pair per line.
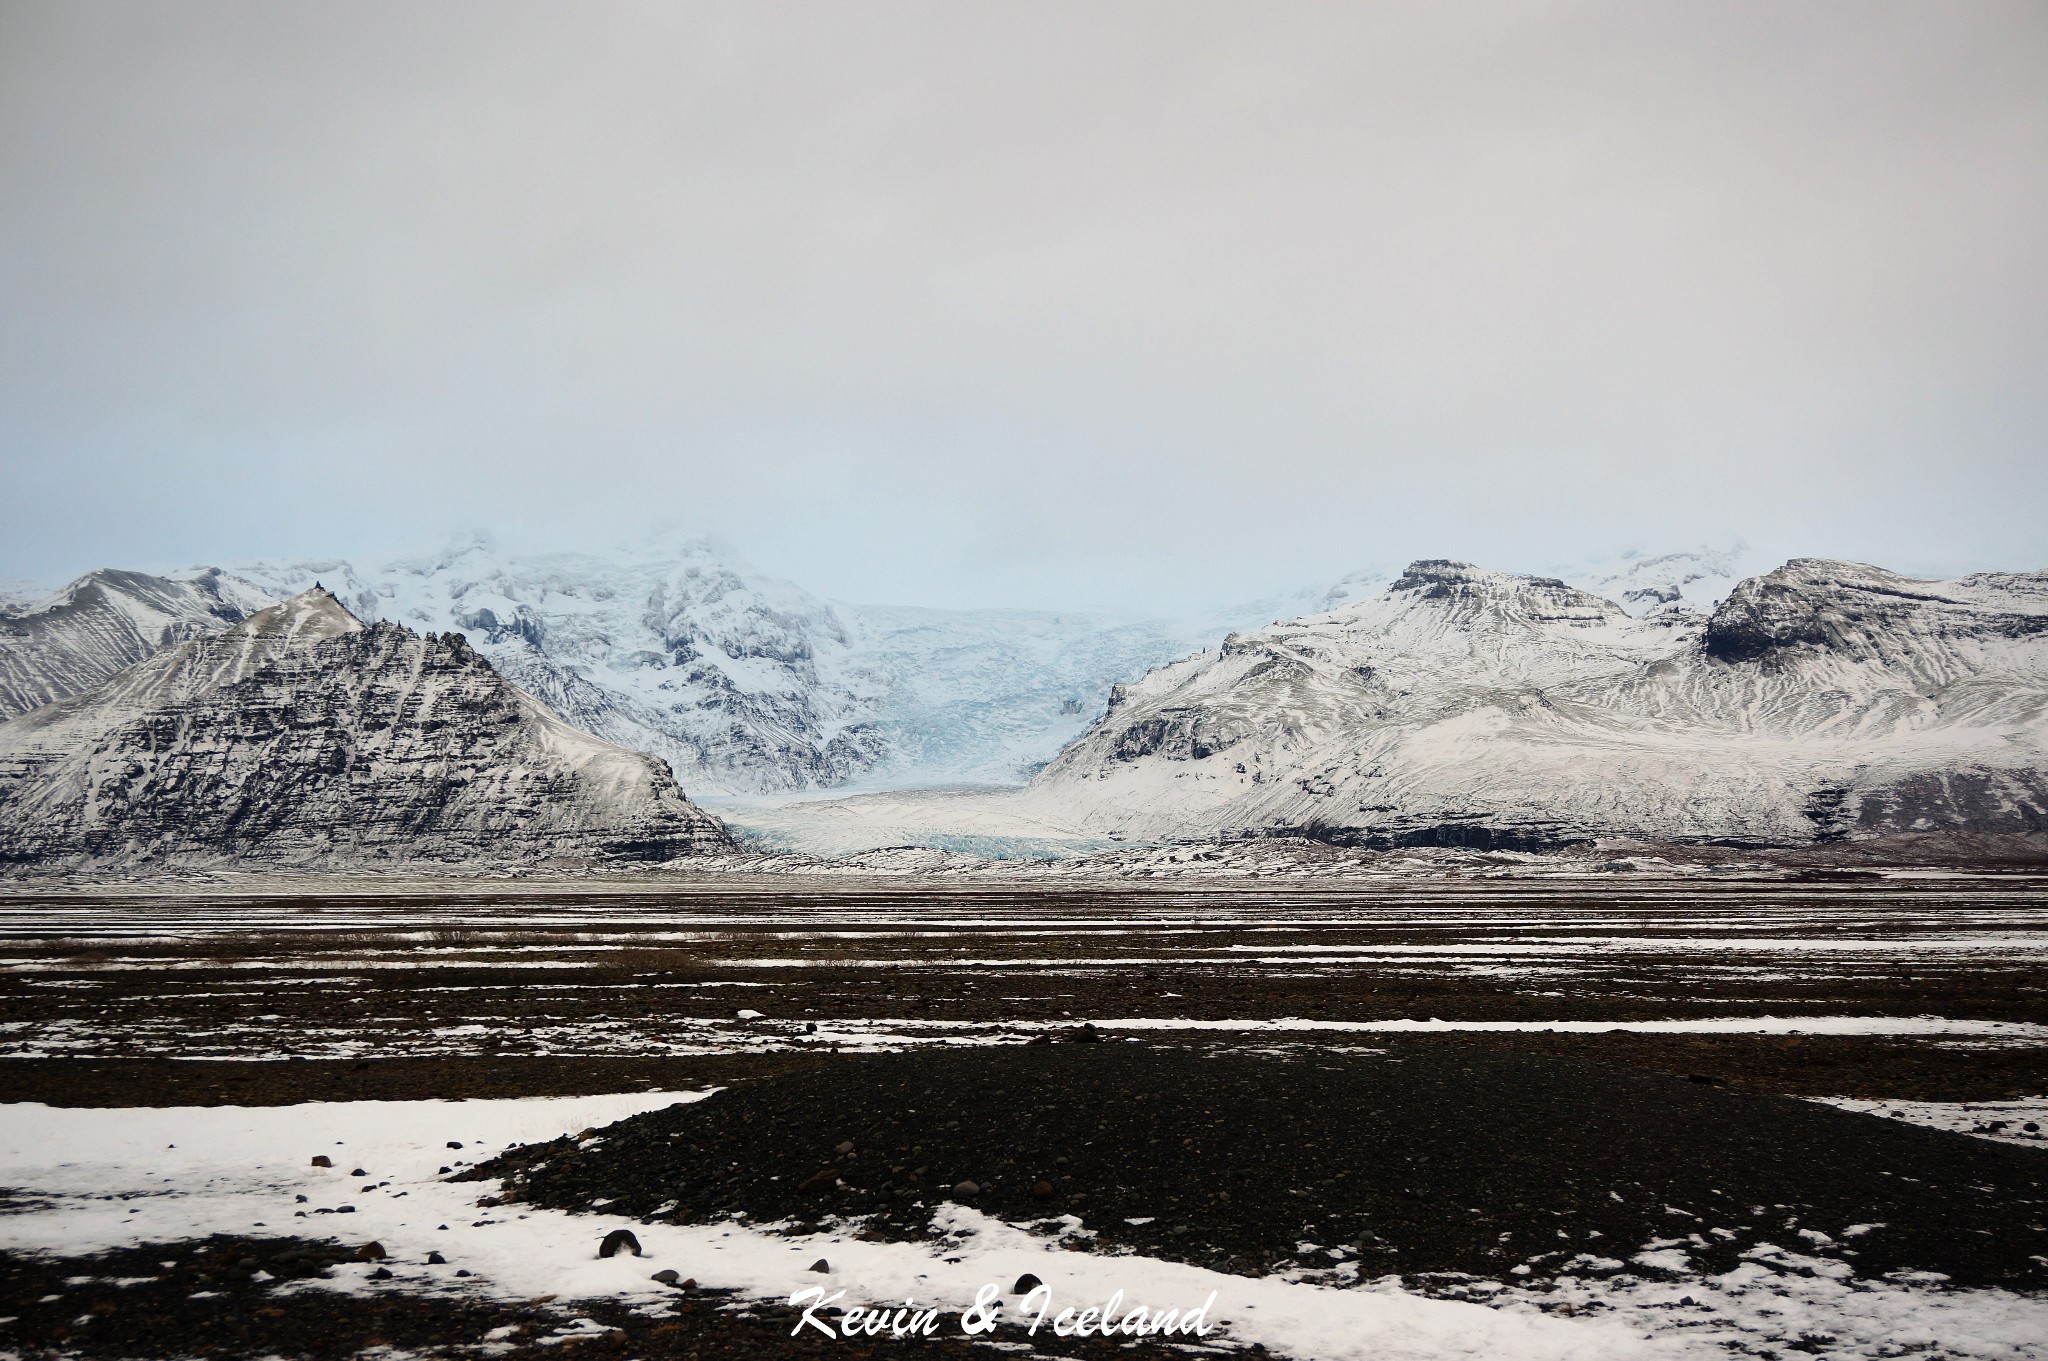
x,y
91,1179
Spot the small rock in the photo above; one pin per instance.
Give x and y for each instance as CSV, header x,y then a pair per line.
x,y
822,1266
436,1259
2032,1127
1026,1284
844,1148
749,1014
461,1272
455,1143
382,1273
370,1252
667,1276
1088,1034
810,1027
688,1283
359,1172
618,1241
322,1160
442,1171
966,1188
344,1209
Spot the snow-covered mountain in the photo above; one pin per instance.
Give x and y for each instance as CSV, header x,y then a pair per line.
x,y
748,684
303,735
1463,706
738,680
105,621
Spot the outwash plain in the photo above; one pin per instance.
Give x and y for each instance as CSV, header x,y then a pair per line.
x,y
1645,1109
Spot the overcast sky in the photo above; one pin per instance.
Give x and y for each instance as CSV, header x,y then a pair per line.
x,y
977,303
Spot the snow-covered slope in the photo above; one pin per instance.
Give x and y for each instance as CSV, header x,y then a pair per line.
x,y
303,735
738,680
747,685
1695,580
1463,706
105,621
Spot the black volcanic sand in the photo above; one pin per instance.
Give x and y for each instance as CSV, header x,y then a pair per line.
x,y
204,1298
1807,1065
1459,1161
209,1301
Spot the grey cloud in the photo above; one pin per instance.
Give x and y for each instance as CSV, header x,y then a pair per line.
x,y
1054,303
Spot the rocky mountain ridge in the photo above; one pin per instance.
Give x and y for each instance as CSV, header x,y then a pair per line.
x,y
1461,706
105,621
303,736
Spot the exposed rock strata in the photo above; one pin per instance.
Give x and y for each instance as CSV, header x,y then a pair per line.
x,y
303,735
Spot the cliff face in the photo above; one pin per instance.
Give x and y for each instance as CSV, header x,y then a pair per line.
x,y
1461,706
303,736
106,621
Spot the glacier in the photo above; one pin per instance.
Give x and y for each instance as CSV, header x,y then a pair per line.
x,y
749,685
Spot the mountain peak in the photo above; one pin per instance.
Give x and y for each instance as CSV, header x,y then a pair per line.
x,y
1470,594
310,616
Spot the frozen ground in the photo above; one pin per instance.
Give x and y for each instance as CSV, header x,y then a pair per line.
x,y
1924,997
86,1180
2006,1122
671,970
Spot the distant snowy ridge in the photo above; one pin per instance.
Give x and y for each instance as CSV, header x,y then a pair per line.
x,y
302,736
1462,706
104,621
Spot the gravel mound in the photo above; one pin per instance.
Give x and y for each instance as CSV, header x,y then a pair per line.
x,y
1460,1161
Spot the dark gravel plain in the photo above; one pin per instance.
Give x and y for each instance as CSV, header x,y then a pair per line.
x,y
1455,1152
1799,1065
210,1302
1458,1161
